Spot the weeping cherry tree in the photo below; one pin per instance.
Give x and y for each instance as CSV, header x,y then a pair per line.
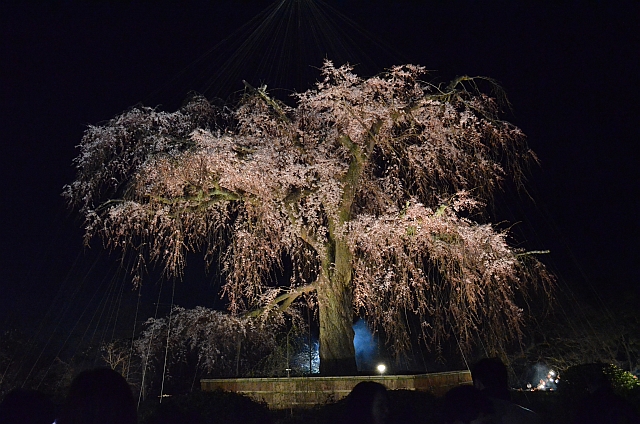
x,y
371,190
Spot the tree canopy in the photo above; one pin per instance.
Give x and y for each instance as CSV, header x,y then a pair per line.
x,y
373,190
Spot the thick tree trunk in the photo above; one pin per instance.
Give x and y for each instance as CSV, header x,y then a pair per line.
x,y
335,305
335,294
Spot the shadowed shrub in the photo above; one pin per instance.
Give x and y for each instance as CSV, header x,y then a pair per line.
x,y
200,407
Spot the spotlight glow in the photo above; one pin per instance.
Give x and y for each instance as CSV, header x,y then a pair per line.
x,y
365,346
381,368
547,378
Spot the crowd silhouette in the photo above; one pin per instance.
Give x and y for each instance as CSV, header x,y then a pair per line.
x,y
367,403
103,396
95,396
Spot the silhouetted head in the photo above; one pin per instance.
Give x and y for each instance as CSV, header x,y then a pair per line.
x,y
367,403
26,407
466,404
490,376
99,396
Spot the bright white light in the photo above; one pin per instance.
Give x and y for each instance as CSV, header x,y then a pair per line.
x,y
547,378
381,368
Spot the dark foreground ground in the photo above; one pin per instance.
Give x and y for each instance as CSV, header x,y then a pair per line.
x,y
407,407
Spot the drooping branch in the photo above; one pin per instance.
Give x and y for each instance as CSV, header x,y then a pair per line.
x,y
201,199
261,92
283,301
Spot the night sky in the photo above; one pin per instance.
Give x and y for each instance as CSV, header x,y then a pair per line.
x,y
570,70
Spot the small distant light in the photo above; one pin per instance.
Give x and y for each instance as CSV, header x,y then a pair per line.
x,y
552,373
381,368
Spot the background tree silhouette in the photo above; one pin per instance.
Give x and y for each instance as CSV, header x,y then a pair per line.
x,y
371,189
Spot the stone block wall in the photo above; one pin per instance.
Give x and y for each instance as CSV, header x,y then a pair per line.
x,y
306,392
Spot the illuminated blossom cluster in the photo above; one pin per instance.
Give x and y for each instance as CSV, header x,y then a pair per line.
x,y
367,186
467,271
209,341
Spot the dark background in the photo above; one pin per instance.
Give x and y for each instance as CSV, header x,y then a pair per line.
x,y
570,70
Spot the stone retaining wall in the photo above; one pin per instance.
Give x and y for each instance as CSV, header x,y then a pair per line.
x,y
306,392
